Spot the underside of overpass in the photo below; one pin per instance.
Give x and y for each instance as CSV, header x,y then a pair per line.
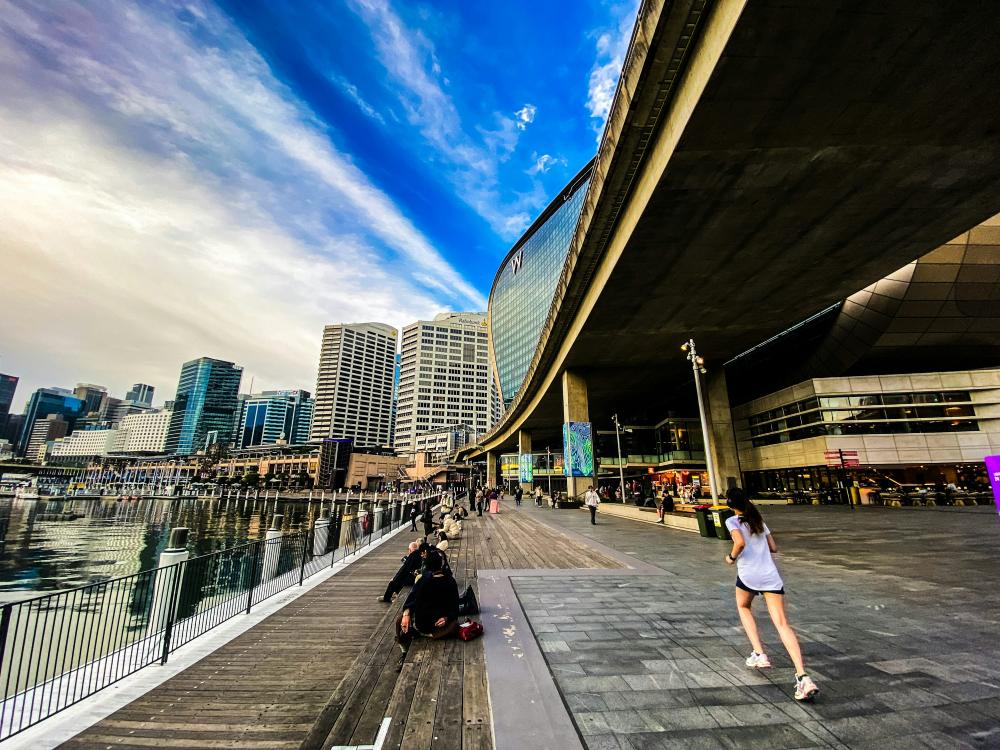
x,y
762,161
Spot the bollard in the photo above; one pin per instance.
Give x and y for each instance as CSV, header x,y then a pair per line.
x,y
167,586
272,549
321,534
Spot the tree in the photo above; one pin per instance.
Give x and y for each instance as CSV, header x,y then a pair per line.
x,y
251,478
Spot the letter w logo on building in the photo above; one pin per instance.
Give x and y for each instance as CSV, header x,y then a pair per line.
x,y
516,261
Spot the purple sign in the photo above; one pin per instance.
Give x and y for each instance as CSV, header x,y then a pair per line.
x,y
993,471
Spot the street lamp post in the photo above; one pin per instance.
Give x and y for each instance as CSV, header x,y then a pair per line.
x,y
621,469
548,453
698,368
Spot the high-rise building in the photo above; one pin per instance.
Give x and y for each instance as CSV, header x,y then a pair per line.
x,y
268,417
46,401
8,384
445,377
143,432
43,429
354,383
205,405
140,393
91,395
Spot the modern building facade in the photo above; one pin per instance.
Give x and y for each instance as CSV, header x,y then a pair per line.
x,y
144,432
83,446
140,393
205,405
8,384
441,444
354,384
272,416
445,378
526,282
45,402
43,430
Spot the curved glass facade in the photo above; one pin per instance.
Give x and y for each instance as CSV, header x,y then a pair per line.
x,y
524,285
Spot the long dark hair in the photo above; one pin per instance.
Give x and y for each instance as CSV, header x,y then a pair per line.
x,y
737,500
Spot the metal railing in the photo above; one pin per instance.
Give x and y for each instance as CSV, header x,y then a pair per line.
x,y
57,649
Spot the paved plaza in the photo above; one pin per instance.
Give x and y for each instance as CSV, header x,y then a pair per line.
x,y
897,612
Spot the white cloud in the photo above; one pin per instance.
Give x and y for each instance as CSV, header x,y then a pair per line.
x,y
544,163
408,57
352,91
525,116
611,47
163,201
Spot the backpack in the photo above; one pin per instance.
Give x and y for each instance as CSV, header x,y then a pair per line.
x,y
470,630
467,603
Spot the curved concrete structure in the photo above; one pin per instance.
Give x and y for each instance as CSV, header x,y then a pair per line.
x,y
761,161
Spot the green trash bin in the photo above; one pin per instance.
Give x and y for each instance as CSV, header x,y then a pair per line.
x,y
705,526
719,521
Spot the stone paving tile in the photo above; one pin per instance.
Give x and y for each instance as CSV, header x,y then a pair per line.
x,y
904,657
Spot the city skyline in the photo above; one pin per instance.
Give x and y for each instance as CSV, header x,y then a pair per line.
x,y
232,179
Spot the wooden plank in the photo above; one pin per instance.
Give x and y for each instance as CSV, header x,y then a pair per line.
x,y
449,718
399,704
419,731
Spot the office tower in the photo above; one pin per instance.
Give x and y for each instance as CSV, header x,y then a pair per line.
x,y
143,432
91,395
46,401
44,429
397,364
205,405
267,417
140,393
8,384
445,378
354,383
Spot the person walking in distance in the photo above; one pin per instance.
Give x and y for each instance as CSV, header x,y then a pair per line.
x,y
592,500
756,573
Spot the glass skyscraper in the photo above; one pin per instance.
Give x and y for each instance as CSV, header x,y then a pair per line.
x,y
205,405
526,282
267,417
46,401
8,384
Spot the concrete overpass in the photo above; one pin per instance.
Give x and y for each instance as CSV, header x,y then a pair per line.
x,y
761,161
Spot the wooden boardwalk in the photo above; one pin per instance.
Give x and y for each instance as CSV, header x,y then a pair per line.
x,y
325,669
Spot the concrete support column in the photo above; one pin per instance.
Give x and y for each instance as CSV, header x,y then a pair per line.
x,y
720,422
524,447
576,408
491,469
272,549
168,581
321,533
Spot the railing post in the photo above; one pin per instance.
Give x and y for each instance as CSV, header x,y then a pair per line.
x,y
307,543
4,628
252,578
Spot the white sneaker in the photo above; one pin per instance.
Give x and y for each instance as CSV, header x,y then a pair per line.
x,y
805,688
758,661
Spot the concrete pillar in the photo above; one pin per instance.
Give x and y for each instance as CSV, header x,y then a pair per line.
x,y
168,582
272,549
720,422
491,469
321,533
524,448
576,408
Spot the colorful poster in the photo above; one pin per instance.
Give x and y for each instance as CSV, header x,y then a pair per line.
x,y
993,472
526,469
578,449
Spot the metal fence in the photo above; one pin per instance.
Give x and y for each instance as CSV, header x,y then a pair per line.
x,y
57,649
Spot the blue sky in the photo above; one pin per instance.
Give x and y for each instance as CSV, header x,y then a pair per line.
x,y
221,179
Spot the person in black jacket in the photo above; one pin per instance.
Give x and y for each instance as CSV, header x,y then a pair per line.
x,y
404,576
431,609
428,520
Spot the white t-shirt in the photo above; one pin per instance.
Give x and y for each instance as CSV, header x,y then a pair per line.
x,y
592,498
755,566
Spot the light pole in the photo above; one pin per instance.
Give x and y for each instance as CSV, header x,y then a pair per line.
x,y
698,368
621,469
548,465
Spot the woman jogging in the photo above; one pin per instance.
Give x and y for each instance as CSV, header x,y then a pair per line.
x,y
757,574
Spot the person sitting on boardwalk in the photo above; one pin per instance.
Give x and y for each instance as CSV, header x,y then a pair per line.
x,y
431,609
404,576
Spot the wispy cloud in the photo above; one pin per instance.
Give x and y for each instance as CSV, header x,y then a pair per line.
x,y
544,163
611,47
165,197
352,92
409,58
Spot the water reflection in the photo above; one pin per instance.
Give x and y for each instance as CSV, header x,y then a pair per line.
x,y
49,545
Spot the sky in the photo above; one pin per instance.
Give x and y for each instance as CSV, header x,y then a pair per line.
x,y
186,179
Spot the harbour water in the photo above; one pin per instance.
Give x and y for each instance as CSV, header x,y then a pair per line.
x,y
49,545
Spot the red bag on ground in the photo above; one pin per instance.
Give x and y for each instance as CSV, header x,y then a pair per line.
x,y
470,630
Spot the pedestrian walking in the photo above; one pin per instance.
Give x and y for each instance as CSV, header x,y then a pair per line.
x,y
592,499
756,573
479,501
518,494
538,497
414,513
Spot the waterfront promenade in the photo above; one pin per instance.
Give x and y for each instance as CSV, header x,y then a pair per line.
x,y
620,635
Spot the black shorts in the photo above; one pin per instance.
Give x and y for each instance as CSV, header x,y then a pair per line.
x,y
741,585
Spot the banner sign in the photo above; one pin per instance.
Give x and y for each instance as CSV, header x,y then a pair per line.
x,y
526,469
993,472
578,449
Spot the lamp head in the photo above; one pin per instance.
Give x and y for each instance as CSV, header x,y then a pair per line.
x,y
684,347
